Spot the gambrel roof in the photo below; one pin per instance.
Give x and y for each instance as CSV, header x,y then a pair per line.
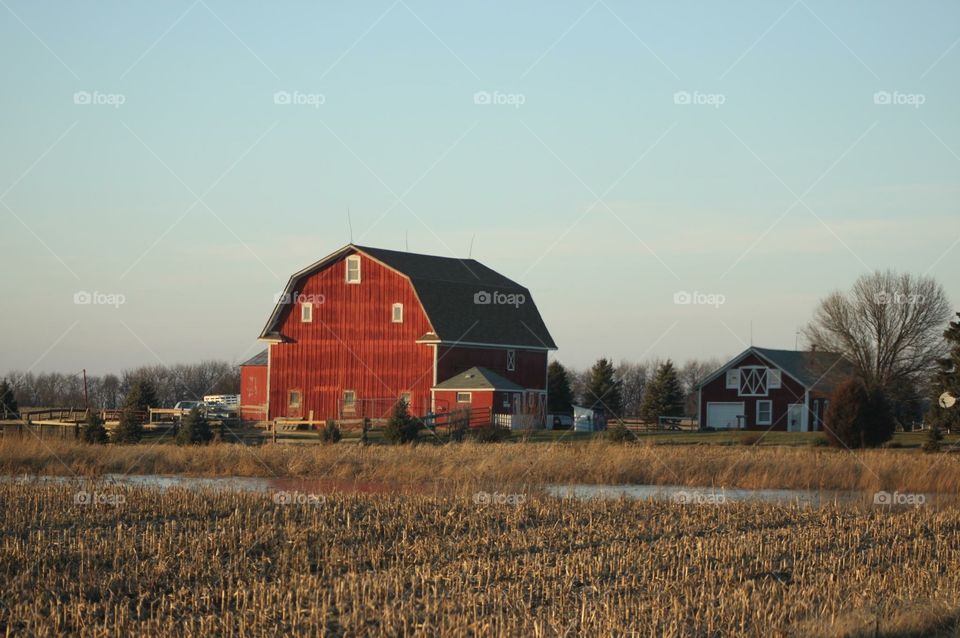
x,y
452,292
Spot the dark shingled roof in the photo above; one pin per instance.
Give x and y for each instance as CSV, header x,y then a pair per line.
x,y
816,369
452,292
256,360
478,378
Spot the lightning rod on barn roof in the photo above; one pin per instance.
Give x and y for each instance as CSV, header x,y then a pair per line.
x,y
470,252
349,224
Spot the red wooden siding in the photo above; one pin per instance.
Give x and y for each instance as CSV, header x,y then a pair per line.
x,y
351,344
253,393
790,392
500,402
531,368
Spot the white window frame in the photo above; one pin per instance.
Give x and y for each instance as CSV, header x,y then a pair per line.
x,y
769,419
290,402
393,313
774,379
753,381
733,379
355,261
511,360
306,312
469,396
350,408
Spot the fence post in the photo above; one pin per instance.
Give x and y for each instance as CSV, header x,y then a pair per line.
x,y
366,428
274,430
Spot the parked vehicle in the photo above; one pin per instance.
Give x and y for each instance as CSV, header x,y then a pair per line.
x,y
186,406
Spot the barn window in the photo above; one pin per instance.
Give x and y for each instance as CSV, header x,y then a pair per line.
x,y
764,412
306,312
511,360
349,401
464,397
353,269
293,399
397,315
774,379
733,379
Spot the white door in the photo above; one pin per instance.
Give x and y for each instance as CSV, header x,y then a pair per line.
x,y
724,415
795,417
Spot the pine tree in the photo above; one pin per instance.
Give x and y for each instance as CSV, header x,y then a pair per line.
x,y
858,416
8,402
401,428
93,430
604,390
664,394
129,430
559,394
947,379
142,395
194,429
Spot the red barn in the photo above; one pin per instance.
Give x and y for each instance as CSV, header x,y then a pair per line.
x,y
253,388
364,327
764,389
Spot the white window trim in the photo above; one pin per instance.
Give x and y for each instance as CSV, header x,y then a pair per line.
x,y
774,379
352,404
469,397
511,360
352,259
769,420
751,372
306,312
393,313
735,383
290,403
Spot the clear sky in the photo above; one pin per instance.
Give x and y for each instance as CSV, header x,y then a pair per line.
x,y
606,154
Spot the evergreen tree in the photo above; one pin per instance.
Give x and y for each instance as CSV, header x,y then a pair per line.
x,y
194,429
93,430
604,390
142,395
947,379
858,417
8,402
664,394
129,430
402,428
559,394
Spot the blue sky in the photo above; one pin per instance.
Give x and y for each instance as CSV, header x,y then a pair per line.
x,y
629,152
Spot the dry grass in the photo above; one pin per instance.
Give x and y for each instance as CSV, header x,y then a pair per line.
x,y
194,563
509,463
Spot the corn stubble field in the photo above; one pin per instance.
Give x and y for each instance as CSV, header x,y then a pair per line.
x,y
178,562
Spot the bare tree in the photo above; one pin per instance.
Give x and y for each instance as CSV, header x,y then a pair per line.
x,y
633,376
889,326
692,374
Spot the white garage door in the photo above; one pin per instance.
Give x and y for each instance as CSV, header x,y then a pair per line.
x,y
723,415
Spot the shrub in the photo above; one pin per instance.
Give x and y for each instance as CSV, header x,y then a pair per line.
x,y
129,430
751,439
619,433
858,417
402,428
93,430
330,433
934,440
489,434
194,429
